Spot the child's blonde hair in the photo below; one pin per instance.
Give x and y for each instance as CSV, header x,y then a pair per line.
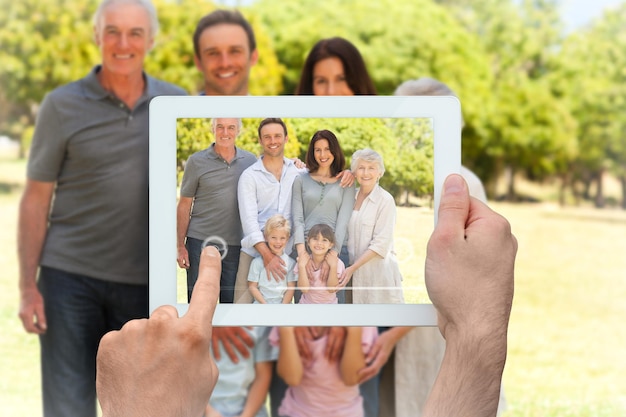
x,y
276,222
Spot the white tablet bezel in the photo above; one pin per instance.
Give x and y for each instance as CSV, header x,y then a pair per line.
x,y
445,113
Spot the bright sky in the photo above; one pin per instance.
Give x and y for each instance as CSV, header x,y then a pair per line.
x,y
577,13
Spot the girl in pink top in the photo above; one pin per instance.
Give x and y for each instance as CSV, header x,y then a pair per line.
x,y
319,284
319,387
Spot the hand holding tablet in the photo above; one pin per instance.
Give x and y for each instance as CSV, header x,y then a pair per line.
x,y
143,361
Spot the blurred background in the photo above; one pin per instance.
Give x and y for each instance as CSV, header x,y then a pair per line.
x,y
543,89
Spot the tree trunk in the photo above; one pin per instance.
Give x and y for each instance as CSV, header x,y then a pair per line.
x,y
510,195
565,182
623,181
599,199
587,180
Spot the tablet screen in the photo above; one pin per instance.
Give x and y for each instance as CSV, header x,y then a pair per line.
x,y
418,139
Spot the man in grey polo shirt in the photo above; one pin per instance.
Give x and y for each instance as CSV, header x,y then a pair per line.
x,y
208,204
83,219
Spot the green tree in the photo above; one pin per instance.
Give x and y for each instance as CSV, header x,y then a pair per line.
x,y
530,130
589,74
48,43
399,40
194,134
43,44
406,146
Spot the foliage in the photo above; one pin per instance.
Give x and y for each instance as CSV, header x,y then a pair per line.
x,y
43,44
194,135
406,145
414,167
534,101
393,48
48,43
589,74
528,128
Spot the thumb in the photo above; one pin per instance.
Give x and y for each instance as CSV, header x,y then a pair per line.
x,y
453,207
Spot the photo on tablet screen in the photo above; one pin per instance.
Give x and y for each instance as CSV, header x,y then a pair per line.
x,y
417,139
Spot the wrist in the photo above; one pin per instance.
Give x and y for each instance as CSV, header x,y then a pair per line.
x,y
487,348
27,286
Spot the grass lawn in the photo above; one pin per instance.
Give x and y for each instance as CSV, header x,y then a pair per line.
x,y
567,339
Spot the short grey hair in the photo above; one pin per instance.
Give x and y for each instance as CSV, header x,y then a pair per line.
x,y
367,155
214,122
424,86
146,4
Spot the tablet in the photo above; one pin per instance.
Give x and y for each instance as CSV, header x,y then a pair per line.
x,y
439,117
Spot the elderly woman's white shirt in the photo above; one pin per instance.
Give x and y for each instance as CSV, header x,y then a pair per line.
x,y
371,227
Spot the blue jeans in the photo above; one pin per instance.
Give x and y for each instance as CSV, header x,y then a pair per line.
x,y
230,263
370,390
278,388
79,311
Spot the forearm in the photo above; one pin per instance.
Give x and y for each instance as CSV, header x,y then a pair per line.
x,y
249,212
31,236
32,229
297,214
256,293
367,256
265,252
353,358
343,217
333,279
288,296
257,394
183,212
289,365
396,333
470,377
300,248
303,278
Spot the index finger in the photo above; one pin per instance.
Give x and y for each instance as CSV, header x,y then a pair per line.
x,y
207,288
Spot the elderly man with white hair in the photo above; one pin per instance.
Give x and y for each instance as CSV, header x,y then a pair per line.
x,y
83,218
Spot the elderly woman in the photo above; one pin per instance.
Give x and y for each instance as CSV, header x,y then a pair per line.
x,y
374,268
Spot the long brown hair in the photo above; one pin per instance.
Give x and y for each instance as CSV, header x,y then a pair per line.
x,y
339,160
354,67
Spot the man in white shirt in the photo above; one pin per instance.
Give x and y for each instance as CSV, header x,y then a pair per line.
x,y
264,190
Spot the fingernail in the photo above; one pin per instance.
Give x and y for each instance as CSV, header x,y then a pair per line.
x,y
453,184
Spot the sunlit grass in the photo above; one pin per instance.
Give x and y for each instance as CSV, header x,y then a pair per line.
x,y
567,338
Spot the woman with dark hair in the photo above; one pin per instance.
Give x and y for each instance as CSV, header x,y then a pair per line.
x,y
319,198
335,67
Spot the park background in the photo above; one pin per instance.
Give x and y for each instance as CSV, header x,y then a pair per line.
x,y
545,128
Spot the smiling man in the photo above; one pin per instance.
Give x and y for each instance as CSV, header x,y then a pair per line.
x,y
225,49
83,219
264,190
